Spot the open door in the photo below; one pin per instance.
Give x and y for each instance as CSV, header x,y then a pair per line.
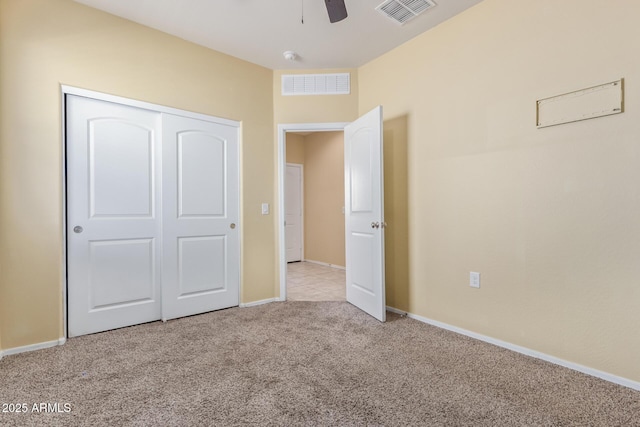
x,y
364,214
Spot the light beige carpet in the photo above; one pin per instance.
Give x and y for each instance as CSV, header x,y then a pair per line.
x,y
302,363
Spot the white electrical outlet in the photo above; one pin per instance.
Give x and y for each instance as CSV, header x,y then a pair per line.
x,y
474,279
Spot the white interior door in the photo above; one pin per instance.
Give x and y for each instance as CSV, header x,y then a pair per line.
x,y
201,255
113,215
293,212
364,214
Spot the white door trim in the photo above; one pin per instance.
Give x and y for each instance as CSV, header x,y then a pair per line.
x,y
282,159
70,90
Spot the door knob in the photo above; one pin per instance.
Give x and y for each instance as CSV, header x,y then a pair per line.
x,y
78,229
375,225
233,225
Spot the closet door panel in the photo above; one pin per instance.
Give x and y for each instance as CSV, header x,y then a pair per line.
x,y
201,255
113,224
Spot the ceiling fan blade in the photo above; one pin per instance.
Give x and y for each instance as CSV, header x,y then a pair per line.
x,y
336,9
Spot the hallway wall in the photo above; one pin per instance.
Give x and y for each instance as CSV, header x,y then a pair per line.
x,y
324,198
322,155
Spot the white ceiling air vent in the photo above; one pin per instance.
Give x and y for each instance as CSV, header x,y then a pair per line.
x,y
402,11
316,84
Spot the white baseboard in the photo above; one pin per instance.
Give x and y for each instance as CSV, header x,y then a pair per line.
x,y
260,302
32,347
524,350
339,267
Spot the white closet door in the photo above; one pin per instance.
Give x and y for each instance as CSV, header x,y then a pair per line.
x,y
113,215
293,212
201,267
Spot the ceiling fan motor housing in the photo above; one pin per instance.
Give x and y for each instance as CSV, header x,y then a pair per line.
x,y
336,9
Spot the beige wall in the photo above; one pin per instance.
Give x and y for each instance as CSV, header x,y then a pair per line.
x,y
295,148
48,42
322,154
324,197
396,211
549,217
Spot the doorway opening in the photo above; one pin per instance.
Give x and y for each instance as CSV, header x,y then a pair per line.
x,y
364,209
314,216
317,273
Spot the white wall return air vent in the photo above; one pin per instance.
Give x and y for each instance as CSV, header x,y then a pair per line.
x,y
402,11
316,84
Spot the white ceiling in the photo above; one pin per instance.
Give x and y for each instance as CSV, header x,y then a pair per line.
x,y
259,31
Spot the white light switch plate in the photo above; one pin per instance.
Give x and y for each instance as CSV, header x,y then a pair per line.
x,y
265,209
474,279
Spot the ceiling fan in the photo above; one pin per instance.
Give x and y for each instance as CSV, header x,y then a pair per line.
x,y
336,9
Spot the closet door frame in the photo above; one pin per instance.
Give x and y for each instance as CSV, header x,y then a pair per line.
x,y
70,90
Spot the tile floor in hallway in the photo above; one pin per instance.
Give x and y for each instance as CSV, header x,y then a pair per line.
x,y
308,281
